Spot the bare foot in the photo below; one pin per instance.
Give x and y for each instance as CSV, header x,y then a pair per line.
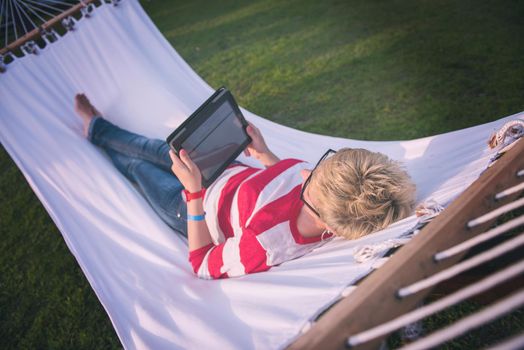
x,y
85,110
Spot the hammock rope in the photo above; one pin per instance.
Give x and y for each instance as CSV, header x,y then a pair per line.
x,y
26,20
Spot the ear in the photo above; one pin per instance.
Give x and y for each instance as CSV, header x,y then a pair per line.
x,y
330,229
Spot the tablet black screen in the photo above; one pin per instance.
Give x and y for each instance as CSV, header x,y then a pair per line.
x,y
206,145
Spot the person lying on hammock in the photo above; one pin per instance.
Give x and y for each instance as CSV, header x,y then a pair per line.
x,y
251,219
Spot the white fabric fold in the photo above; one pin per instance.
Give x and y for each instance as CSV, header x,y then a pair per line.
x,y
135,264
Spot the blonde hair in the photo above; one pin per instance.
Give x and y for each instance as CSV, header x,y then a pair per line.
x,y
359,191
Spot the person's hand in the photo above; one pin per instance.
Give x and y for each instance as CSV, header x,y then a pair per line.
x,y
257,148
186,171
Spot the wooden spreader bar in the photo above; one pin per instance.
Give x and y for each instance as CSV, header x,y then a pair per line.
x,y
35,33
375,300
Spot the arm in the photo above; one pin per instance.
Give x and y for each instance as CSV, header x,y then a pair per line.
x,y
197,231
221,261
258,148
189,175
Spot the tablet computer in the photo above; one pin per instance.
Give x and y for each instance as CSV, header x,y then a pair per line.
x,y
213,136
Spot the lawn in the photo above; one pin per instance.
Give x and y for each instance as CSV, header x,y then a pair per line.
x,y
367,69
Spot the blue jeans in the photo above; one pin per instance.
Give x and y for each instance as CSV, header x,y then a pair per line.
x,y
145,162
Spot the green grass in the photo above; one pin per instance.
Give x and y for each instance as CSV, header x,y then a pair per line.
x,y
379,70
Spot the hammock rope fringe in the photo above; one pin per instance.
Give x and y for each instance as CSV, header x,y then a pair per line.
x,y
425,212
504,139
512,130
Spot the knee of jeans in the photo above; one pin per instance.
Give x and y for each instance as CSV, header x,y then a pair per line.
x,y
126,165
134,164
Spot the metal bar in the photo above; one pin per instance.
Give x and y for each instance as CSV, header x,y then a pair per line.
x,y
6,24
32,11
496,213
45,4
461,267
479,239
441,304
38,9
488,314
28,17
13,19
17,8
2,6
69,4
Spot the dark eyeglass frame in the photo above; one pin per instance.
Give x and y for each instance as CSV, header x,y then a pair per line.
x,y
328,152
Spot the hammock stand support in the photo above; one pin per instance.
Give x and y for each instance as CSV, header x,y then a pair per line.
x,y
375,300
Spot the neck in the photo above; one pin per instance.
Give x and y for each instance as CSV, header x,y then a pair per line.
x,y
307,225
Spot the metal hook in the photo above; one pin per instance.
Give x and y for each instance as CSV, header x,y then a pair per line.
x,y
3,60
88,10
3,66
49,36
69,23
30,48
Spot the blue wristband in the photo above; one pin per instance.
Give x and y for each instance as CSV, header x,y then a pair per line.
x,y
196,217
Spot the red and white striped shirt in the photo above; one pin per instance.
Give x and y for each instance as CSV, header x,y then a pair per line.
x,y
252,217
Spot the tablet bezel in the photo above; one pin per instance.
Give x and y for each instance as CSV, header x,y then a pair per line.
x,y
176,139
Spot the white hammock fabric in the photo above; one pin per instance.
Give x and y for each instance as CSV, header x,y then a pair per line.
x,y
136,265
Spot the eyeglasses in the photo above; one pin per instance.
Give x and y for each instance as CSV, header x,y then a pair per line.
x,y
327,154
